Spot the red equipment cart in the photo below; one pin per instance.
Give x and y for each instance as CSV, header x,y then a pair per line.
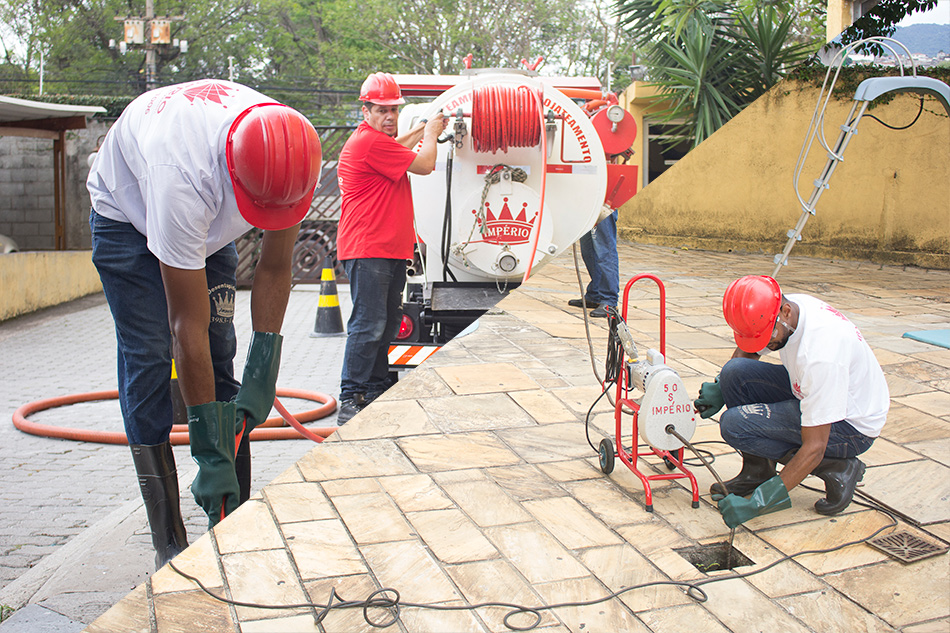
x,y
665,405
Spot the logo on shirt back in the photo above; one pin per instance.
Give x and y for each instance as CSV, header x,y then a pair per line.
x,y
205,91
208,91
845,319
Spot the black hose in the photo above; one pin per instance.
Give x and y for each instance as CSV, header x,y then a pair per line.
x,y
447,221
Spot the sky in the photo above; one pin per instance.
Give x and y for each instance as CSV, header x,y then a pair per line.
x,y
938,15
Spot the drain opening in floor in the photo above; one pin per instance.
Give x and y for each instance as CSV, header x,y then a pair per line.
x,y
714,557
906,547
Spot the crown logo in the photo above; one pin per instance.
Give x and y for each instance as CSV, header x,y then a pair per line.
x,y
222,303
503,228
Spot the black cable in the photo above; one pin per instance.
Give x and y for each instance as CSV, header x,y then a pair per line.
x,y
447,221
587,420
892,127
392,605
613,365
698,461
787,557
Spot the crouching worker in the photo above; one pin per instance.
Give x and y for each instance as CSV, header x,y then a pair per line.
x,y
815,412
182,173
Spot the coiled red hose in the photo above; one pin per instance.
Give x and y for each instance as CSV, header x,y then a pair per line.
x,y
503,117
272,429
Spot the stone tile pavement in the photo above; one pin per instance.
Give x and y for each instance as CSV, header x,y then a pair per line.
x,y
58,495
472,481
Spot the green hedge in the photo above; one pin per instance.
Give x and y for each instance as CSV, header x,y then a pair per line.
x,y
851,76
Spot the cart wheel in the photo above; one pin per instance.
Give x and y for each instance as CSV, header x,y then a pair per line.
x,y
669,463
606,456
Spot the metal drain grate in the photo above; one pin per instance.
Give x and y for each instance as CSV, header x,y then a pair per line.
x,y
906,547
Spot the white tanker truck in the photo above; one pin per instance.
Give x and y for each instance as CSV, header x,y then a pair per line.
x,y
527,165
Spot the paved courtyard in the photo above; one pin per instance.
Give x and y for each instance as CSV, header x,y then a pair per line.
x,y
472,481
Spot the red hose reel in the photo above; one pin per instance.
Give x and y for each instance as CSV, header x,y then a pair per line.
x,y
503,117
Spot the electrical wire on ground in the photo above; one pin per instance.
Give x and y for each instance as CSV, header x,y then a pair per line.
x,y
388,599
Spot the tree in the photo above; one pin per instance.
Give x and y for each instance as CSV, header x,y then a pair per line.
x,y
311,54
574,36
74,35
711,58
882,20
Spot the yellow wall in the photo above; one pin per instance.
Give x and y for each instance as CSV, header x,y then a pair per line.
x,y
838,18
33,280
889,201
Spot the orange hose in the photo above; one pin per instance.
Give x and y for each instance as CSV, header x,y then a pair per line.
x,y
271,429
581,93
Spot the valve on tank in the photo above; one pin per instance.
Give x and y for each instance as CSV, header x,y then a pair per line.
x,y
506,260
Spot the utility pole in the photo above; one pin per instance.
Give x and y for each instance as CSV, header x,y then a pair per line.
x,y
150,52
151,33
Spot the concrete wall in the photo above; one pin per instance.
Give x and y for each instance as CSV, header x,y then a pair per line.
x,y
889,201
26,189
30,281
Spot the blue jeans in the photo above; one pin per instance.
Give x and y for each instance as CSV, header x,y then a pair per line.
x,y
764,417
132,281
599,251
376,287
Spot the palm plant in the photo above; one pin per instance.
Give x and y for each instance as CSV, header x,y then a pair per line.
x,y
709,58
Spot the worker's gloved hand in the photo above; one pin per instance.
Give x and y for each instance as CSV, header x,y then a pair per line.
x,y
768,497
710,399
259,386
211,432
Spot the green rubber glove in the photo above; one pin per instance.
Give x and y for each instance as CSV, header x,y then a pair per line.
x,y
259,386
710,399
211,431
769,497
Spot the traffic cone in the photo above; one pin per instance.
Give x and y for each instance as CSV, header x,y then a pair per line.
x,y
329,320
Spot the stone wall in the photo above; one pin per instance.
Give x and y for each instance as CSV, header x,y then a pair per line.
x,y
26,188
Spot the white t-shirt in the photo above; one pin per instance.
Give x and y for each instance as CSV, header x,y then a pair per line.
x,y
833,370
162,167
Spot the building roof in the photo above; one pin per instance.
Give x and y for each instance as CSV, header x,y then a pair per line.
x,y
36,115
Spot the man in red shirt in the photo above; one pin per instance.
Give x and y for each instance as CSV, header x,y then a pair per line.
x,y
376,236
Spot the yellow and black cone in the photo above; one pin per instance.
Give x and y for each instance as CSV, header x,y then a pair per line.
x,y
329,319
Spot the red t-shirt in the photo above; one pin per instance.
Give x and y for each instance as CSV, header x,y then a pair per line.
x,y
376,197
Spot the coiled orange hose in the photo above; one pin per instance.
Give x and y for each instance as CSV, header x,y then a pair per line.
x,y
271,429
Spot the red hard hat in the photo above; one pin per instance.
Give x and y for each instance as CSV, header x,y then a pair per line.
x,y
274,158
751,305
381,89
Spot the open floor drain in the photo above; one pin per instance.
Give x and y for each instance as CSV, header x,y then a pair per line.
x,y
906,547
714,557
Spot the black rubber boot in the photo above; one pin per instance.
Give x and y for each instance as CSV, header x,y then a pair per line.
x,y
755,472
841,476
242,466
350,406
158,482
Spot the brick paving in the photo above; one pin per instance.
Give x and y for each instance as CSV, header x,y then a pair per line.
x,y
51,489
